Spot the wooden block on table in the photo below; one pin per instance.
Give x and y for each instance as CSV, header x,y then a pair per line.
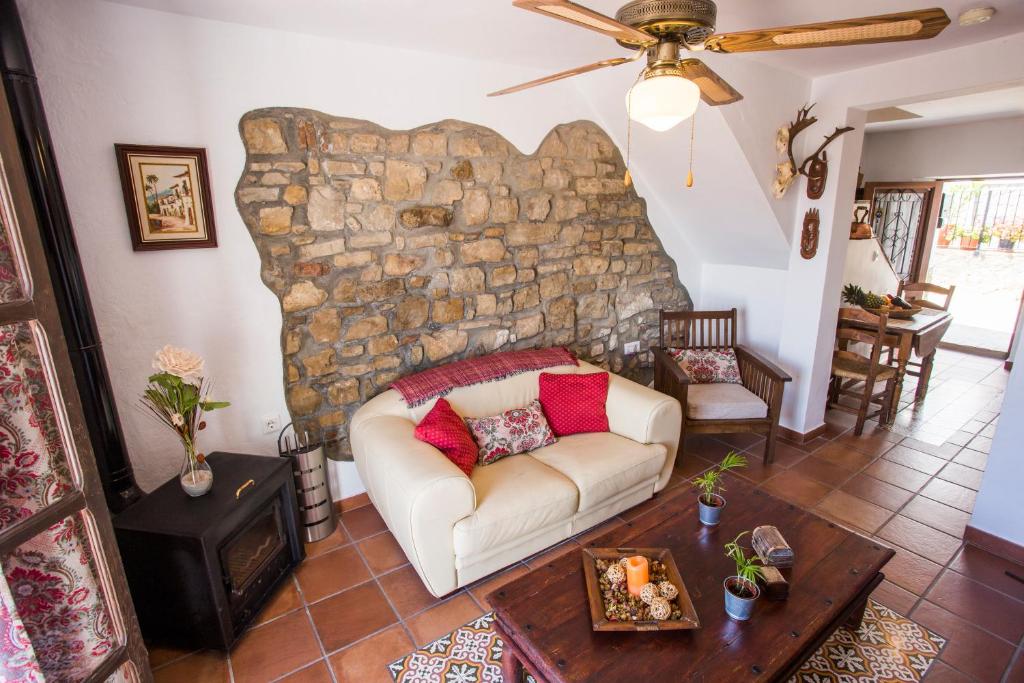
x,y
771,547
775,585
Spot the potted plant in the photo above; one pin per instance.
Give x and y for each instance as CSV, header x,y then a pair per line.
x,y
741,590
177,396
945,235
710,501
970,240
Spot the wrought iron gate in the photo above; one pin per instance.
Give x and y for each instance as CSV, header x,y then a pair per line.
x,y
896,219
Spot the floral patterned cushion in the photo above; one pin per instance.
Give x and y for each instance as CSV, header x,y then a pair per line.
x,y
706,366
514,431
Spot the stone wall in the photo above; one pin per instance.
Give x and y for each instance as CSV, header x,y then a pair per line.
x,y
393,251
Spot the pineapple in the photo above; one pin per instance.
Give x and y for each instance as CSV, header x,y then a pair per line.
x,y
872,300
852,294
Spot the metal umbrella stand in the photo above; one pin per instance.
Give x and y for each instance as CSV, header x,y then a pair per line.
x,y
312,485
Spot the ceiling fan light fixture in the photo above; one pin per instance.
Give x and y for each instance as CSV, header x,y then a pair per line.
x,y
661,101
975,16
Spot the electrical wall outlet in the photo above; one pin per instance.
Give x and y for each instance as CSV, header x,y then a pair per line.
x,y
632,347
271,424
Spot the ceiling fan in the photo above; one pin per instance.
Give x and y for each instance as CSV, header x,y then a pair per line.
x,y
669,88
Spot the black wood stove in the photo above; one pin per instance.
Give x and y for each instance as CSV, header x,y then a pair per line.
x,y
201,568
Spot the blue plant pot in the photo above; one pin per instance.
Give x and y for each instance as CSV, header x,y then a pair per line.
x,y
710,515
736,607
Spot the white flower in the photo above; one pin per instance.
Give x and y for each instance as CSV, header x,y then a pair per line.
x,y
179,362
177,420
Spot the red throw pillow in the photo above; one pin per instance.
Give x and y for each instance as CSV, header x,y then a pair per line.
x,y
443,429
575,404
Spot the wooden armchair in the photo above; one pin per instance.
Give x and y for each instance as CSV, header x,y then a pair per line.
x,y
716,330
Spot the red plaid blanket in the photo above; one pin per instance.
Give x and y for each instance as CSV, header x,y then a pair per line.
x,y
419,388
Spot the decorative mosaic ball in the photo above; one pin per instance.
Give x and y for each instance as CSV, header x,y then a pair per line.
x,y
624,561
660,609
648,592
615,574
668,590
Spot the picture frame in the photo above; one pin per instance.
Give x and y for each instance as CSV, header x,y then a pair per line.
x,y
167,196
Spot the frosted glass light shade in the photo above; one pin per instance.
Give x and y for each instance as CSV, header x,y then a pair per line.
x,y
660,102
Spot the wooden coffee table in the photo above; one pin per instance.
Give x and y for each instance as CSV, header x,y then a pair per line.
x,y
545,622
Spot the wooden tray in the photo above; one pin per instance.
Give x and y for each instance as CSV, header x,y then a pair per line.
x,y
689,619
896,312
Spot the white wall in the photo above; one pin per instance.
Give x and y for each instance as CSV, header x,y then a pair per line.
x,y
977,148
111,73
868,268
999,507
755,293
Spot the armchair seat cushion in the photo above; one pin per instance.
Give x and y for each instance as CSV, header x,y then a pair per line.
x,y
723,402
515,497
602,465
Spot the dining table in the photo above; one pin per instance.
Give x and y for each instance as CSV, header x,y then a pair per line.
x,y
919,334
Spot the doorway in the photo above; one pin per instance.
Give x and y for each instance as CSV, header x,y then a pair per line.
x,y
979,247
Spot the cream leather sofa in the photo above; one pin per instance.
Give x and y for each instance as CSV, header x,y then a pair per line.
x,y
456,529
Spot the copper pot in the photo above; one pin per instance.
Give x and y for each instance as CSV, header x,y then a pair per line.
x,y
860,229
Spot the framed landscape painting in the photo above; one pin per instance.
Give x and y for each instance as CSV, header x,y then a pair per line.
x,y
167,196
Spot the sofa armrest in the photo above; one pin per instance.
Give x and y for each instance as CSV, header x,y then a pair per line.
x,y
646,416
418,491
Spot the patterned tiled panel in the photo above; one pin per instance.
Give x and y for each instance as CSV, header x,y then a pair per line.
x,y
34,469
12,273
58,598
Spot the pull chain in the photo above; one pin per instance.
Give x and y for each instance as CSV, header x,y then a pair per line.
x,y
689,174
628,179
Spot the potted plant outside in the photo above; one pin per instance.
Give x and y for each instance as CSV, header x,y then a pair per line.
x,y
945,235
741,590
710,501
970,240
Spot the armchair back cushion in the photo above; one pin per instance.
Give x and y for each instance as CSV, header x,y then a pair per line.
x,y
708,366
575,404
443,429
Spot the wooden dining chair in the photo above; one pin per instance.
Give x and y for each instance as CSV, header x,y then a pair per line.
x,y
917,291
855,374
753,406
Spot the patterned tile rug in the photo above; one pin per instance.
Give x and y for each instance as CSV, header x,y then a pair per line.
x,y
887,648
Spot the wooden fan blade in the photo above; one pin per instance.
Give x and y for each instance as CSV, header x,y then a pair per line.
x,y
887,28
587,18
713,88
615,61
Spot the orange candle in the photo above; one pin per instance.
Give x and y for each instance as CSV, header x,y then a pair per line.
x,y
636,574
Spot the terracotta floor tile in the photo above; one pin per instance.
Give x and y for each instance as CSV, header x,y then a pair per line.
x,y
314,673
756,471
362,522
160,655
787,455
706,447
741,440
946,451
846,457
382,553
349,616
482,589
444,618
330,573
940,672
267,652
338,538
894,597
689,465
878,492
911,572
897,475
920,539
972,459
962,475
807,446
406,591
937,515
951,494
551,554
285,599
979,604
981,444
823,471
208,666
796,488
989,569
366,661
966,643
874,441
908,457
1016,672
853,510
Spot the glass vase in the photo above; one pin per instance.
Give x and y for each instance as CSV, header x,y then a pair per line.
x,y
196,476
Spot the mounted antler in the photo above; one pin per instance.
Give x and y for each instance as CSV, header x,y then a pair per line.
x,y
786,171
815,167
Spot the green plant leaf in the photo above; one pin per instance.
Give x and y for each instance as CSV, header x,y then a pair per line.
x,y
213,405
